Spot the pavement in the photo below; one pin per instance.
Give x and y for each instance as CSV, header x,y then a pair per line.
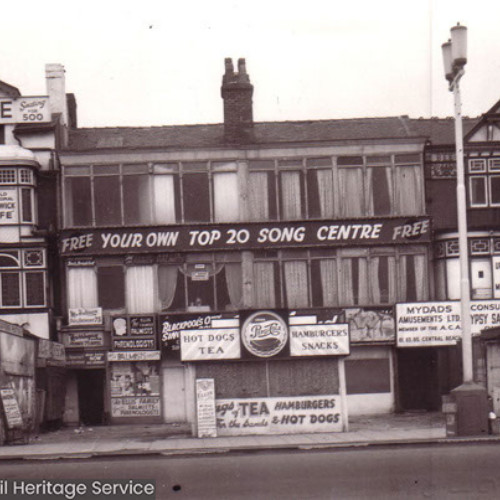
x,y
177,439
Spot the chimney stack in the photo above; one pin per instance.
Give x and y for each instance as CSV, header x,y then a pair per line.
x,y
237,91
56,90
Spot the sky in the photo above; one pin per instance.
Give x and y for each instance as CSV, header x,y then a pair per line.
x,y
160,62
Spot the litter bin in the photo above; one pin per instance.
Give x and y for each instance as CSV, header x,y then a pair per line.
x,y
472,409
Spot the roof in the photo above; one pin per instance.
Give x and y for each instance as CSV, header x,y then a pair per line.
x,y
437,130
9,90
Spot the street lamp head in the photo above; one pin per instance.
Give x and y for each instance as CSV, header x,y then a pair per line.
x,y
447,60
459,46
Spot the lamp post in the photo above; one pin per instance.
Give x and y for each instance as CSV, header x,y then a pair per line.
x,y
470,397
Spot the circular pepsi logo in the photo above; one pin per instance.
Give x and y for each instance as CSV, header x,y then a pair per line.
x,y
264,334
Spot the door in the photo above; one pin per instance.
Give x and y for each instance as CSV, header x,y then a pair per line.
x,y
174,394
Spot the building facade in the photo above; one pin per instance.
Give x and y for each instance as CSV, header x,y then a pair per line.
x,y
187,251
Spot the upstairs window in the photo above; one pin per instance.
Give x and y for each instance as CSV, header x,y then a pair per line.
x,y
484,182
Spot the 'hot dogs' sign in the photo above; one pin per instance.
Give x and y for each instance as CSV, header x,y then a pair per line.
x,y
246,236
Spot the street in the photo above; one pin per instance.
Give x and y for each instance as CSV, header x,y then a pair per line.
x,y
436,471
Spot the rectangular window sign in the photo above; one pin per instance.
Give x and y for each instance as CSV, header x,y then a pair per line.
x,y
210,344
247,236
135,407
85,338
84,316
496,276
9,206
319,340
134,356
132,333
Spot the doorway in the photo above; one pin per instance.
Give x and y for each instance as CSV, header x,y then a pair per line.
x,y
91,396
419,387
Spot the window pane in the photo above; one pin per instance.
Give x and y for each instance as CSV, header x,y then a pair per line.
x,y
266,284
78,201
111,287
477,191
107,200
291,195
201,293
262,196
495,190
27,206
164,199
351,191
196,197
366,376
381,190
35,289
320,193
10,289
226,197
140,283
410,195
296,284
137,199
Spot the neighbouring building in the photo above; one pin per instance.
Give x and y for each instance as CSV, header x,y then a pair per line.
x,y
266,256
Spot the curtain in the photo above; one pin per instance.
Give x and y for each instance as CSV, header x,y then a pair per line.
x,y
82,287
380,193
382,291
325,193
351,191
226,197
234,280
419,281
420,277
329,282
347,288
140,289
363,297
291,197
296,283
167,284
258,196
410,193
164,200
264,284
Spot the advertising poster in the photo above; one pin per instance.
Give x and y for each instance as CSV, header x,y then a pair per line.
x,y
205,407
371,325
131,333
9,206
135,407
305,414
81,316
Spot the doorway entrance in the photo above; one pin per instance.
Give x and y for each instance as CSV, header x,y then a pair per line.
x,y
91,396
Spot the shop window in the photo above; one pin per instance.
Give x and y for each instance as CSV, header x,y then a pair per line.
x,y
111,287
367,376
107,200
78,201
196,197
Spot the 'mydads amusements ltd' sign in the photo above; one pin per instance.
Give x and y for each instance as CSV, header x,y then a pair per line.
x,y
246,236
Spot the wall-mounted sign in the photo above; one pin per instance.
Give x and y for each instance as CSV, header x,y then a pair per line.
x,y
319,340
9,206
371,325
423,324
83,338
50,353
85,317
495,260
246,236
135,407
279,415
11,408
86,359
210,344
134,332
264,333
25,110
134,356
205,407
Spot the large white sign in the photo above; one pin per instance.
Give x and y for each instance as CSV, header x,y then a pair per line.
x,y
9,206
24,110
319,340
292,415
423,324
496,276
81,316
210,343
205,407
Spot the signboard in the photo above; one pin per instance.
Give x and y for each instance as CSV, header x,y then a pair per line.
x,y
132,333
423,324
496,276
24,110
50,353
371,325
86,359
319,340
9,206
11,408
245,236
134,356
209,344
85,338
136,407
236,417
87,317
205,407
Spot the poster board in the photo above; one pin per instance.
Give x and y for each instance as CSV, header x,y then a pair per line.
x,y
11,408
205,407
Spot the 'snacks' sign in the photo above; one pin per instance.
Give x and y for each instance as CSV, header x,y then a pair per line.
x,y
246,236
